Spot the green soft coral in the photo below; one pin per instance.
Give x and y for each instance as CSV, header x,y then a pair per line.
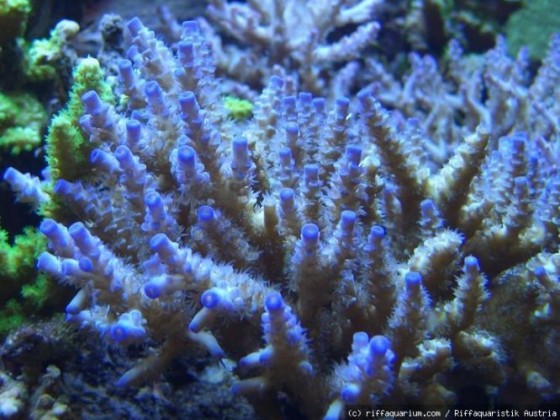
x,y
22,120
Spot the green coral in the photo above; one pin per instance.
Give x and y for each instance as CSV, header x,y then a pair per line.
x,y
22,119
11,317
239,109
24,290
42,55
36,293
13,18
67,149
532,26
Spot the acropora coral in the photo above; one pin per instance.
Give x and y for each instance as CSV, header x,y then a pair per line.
x,y
340,253
303,38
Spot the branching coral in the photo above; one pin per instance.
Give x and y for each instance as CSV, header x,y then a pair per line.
x,y
374,267
298,36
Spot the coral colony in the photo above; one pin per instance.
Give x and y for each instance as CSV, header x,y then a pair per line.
x,y
338,252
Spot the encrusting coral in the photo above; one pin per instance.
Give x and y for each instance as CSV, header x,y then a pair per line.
x,y
376,258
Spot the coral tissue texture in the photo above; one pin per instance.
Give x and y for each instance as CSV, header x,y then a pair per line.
x,y
338,252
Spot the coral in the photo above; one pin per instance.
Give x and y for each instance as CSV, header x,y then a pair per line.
x,y
22,120
13,18
24,290
67,149
297,36
239,109
379,253
43,57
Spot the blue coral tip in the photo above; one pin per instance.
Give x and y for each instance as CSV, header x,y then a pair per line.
x,y
132,52
153,200
377,231
133,125
348,217
152,290
305,99
119,332
91,101
286,195
48,226
319,104
48,263
427,206
343,103
158,241
85,264
187,97
285,154
350,393
134,25
210,299
78,231
266,356
133,131
379,345
311,171
125,65
310,233
292,129
187,156
289,102
191,27
239,144
276,82
152,89
471,263
10,175
205,214
96,156
360,339
413,280
122,153
273,302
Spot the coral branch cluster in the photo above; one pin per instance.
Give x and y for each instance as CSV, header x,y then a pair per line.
x,y
376,266
307,39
